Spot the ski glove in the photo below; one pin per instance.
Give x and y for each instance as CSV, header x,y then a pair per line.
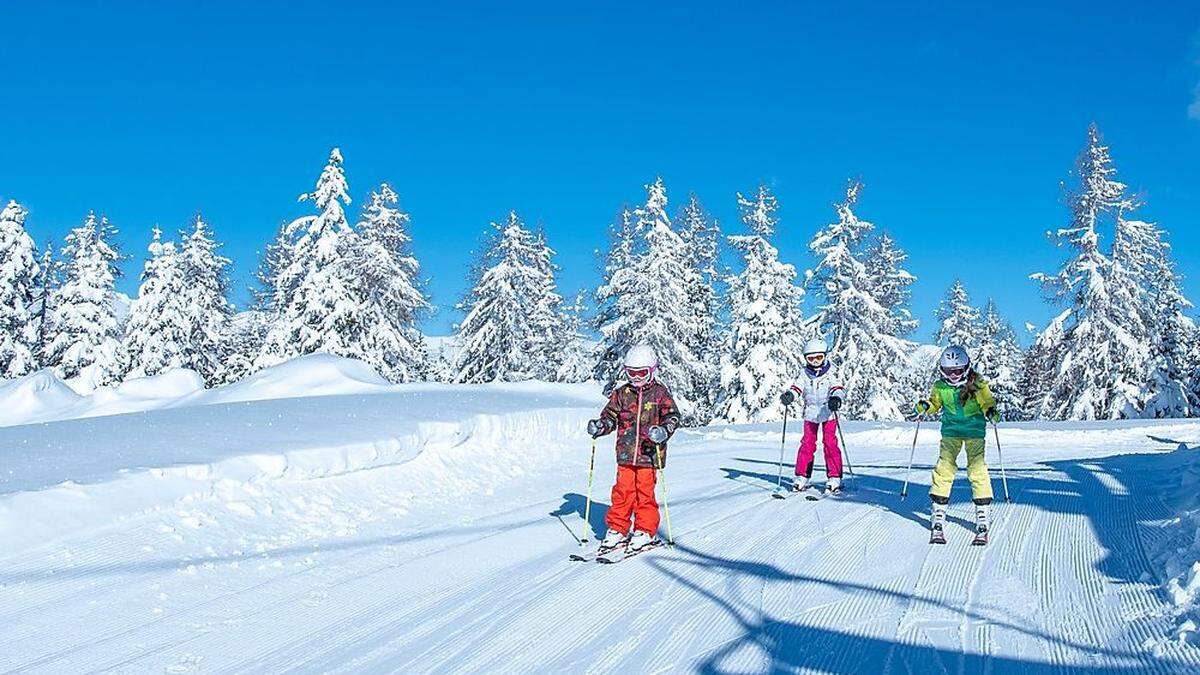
x,y
923,407
787,397
597,428
657,434
834,404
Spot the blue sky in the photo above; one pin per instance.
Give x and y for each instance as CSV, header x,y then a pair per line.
x,y
961,119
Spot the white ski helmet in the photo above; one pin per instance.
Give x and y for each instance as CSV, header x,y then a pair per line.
x,y
954,364
640,364
816,346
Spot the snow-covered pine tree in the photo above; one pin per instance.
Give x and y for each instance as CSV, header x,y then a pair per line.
x,y
1146,259
891,282
18,290
873,363
614,326
1039,368
1088,382
547,317
958,321
205,301
764,341
577,357
1000,359
316,291
157,334
44,323
88,337
499,338
242,339
656,306
389,275
701,236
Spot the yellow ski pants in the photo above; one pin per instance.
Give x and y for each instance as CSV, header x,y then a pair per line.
x,y
947,466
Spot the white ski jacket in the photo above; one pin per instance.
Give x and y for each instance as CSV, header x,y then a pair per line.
x,y
815,389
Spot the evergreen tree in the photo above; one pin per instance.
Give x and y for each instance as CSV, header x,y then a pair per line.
x,y
501,337
88,334
890,283
205,302
874,364
1040,367
611,322
1169,371
389,276
765,337
1000,359
44,317
1091,381
315,292
157,332
577,362
656,306
242,339
547,317
958,321
701,237
18,289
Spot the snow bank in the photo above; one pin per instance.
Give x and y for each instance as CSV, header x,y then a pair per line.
x,y
312,375
42,397
441,441
1179,554
38,396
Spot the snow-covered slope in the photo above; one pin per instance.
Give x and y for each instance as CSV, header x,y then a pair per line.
x,y
425,528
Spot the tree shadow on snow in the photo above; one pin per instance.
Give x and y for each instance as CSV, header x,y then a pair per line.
x,y
779,645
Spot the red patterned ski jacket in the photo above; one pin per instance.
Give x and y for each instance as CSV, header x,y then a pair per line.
x,y
631,411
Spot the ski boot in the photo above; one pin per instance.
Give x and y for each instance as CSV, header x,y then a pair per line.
x,y
639,541
800,484
937,531
981,525
833,487
613,540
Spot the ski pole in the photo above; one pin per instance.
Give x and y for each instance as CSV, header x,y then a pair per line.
x,y
782,449
662,477
587,510
911,454
1003,475
837,422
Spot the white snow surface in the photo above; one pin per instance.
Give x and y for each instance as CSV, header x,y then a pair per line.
x,y
426,528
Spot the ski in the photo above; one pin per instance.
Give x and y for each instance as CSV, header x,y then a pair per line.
x,y
592,555
621,555
981,538
779,495
937,536
815,497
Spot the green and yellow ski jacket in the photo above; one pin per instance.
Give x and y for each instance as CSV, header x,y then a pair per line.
x,y
959,419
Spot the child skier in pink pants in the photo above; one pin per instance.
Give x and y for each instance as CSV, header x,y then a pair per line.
x,y
821,392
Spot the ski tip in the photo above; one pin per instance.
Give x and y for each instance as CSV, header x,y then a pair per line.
x,y
778,495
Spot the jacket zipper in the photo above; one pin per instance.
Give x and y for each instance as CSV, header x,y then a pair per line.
x,y
637,430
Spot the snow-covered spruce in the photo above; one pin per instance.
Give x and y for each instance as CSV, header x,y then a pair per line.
x,y
205,302
873,362
1000,359
87,336
390,277
19,276
1102,361
764,341
958,321
702,236
653,305
158,329
611,296
314,288
505,333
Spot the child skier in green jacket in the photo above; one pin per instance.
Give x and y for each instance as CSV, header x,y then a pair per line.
x,y
966,403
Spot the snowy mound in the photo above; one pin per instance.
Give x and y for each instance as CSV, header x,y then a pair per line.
x,y
1180,554
37,396
312,375
143,393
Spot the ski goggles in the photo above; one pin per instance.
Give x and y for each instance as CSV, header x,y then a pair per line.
x,y
815,359
639,375
955,374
